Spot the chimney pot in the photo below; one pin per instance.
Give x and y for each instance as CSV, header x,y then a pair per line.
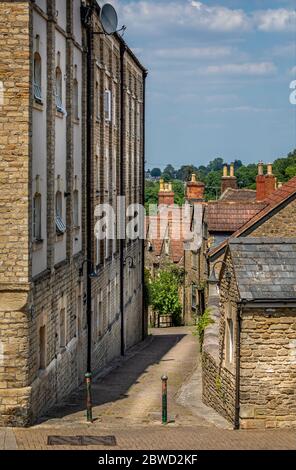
x,y
269,169
225,171
260,168
232,170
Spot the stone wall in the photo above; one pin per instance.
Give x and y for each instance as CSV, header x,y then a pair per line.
x,y
268,368
14,209
281,224
219,378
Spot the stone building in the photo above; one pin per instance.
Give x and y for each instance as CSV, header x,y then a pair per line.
x,y
249,351
277,218
71,137
175,236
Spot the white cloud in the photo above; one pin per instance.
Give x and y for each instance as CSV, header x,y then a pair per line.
x,y
279,20
250,69
157,16
185,53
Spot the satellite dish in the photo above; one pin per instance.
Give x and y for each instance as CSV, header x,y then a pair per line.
x,y
109,19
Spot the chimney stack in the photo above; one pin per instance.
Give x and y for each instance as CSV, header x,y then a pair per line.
x,y
195,190
265,184
228,181
260,183
270,181
166,195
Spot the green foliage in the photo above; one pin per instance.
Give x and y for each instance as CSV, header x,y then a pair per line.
x,y
164,295
156,173
283,168
203,321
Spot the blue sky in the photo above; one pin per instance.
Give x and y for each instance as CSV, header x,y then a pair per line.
x,y
219,76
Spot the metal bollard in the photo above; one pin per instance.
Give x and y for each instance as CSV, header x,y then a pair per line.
x,y
164,380
88,398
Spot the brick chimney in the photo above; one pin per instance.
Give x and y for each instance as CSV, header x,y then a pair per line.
x,y
270,181
228,181
265,184
166,195
260,183
195,190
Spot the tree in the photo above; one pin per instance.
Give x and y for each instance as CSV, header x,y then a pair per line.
x,y
164,295
170,172
156,173
215,165
185,172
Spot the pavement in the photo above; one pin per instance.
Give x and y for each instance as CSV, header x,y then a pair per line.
x,y
127,405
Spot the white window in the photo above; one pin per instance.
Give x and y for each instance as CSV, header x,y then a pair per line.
x,y
37,77
60,224
59,90
108,105
37,211
76,208
75,100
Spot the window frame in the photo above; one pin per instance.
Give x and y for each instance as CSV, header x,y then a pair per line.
x,y
37,218
37,80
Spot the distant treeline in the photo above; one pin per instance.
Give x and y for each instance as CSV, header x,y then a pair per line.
x,y
283,168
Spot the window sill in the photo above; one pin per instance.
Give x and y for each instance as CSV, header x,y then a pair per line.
x,y
60,114
59,237
76,121
37,245
38,105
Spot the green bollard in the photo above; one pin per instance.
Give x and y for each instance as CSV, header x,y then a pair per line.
x,y
164,380
88,398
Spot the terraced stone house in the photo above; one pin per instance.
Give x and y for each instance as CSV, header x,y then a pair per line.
x,y
71,138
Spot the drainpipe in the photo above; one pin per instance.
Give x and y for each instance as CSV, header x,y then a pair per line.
x,y
145,73
122,194
237,372
88,192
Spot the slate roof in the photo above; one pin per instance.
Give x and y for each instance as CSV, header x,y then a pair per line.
x,y
229,216
239,195
265,268
273,201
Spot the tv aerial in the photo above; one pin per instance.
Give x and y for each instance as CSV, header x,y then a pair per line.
x,y
109,20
